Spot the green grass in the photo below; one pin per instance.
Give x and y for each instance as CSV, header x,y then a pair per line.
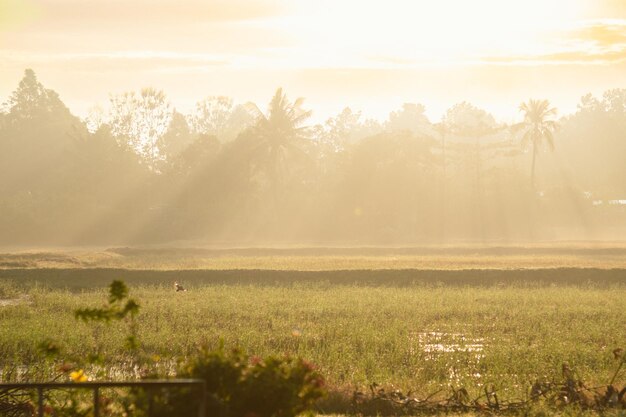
x,y
356,334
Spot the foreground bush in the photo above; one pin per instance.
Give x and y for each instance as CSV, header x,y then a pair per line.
x,y
241,386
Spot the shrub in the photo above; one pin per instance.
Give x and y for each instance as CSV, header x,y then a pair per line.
x,y
240,386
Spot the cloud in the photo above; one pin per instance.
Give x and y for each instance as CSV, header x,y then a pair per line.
x,y
201,26
602,34
593,42
560,58
162,12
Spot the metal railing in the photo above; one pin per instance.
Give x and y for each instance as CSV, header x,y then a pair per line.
x,y
147,386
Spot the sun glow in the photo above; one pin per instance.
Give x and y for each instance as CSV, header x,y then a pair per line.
x,y
372,55
416,33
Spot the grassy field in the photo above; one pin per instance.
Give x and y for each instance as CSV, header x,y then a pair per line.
x,y
414,337
415,329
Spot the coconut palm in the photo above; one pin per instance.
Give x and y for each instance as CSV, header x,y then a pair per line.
x,y
279,135
538,127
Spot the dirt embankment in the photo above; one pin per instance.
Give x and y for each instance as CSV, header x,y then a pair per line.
x,y
89,278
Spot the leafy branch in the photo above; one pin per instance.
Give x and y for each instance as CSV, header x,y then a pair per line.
x,y
119,307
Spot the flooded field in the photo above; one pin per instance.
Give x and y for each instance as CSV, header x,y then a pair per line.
x,y
440,342
419,337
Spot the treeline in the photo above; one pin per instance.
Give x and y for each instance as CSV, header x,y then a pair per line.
x,y
141,172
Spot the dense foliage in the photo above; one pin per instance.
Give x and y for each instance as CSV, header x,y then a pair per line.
x,y
140,171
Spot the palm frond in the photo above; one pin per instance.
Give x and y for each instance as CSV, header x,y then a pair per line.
x,y
298,102
301,117
523,107
551,125
254,111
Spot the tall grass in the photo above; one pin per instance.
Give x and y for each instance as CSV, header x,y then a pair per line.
x,y
416,337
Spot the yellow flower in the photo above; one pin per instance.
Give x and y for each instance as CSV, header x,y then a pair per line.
x,y
78,376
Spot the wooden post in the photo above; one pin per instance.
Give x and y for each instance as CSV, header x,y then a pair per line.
x,y
40,401
96,402
202,410
150,395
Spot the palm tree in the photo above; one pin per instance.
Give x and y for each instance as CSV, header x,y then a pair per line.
x,y
279,135
274,152
538,127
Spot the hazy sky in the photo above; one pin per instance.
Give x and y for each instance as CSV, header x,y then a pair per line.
x,y
370,55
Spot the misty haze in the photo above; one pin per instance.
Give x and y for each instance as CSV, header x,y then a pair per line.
x,y
139,172
257,208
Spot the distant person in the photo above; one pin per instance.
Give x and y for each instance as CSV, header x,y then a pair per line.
x,y
179,287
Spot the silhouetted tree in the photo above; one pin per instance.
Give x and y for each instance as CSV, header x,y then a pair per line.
x,y
32,101
537,127
341,129
96,117
197,156
468,128
35,133
338,134
141,173
383,194
141,119
211,115
279,137
592,145
442,130
35,162
242,117
614,101
176,138
107,186
217,116
411,118
466,122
